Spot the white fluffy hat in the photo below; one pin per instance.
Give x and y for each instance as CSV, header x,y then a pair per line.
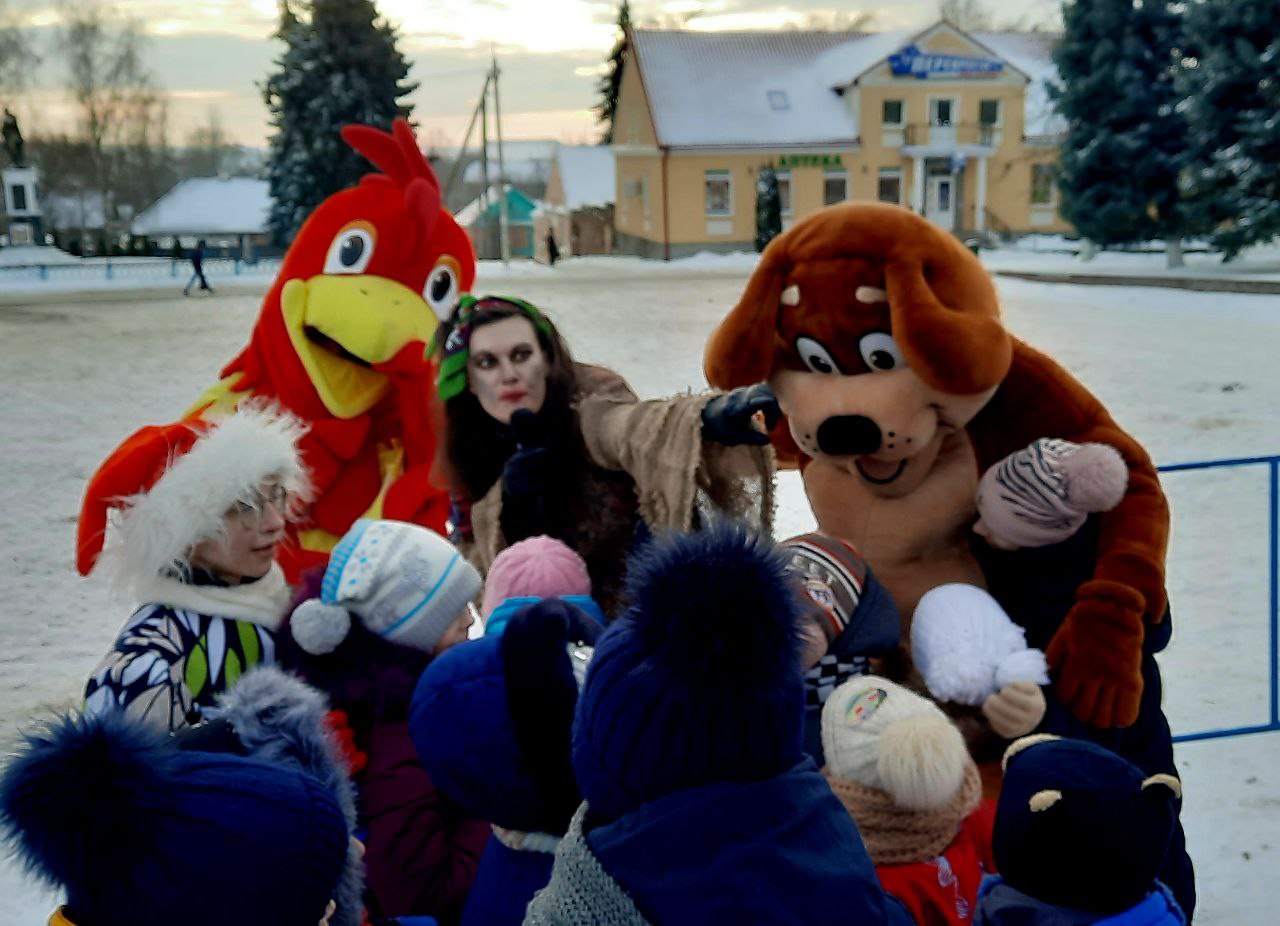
x,y
172,485
966,647
883,736
404,582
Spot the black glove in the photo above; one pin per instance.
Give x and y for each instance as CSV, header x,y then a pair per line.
x,y
526,479
728,419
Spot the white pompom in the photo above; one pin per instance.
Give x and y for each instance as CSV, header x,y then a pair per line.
x,y
959,634
318,627
922,761
1026,665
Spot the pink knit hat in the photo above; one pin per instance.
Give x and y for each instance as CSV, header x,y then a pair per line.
x,y
1042,494
539,567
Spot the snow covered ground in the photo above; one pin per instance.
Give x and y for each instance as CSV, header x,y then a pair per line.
x,y
1191,375
1055,254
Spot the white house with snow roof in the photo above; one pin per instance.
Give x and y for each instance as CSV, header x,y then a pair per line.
x,y
229,213
954,125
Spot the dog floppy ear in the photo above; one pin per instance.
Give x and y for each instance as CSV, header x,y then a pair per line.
x,y
741,351
945,314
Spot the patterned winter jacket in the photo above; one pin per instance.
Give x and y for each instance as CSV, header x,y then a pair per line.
x,y
190,643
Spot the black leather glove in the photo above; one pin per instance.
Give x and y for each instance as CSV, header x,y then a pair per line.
x,y
729,418
526,479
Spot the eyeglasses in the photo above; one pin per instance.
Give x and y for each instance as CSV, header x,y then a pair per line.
x,y
249,511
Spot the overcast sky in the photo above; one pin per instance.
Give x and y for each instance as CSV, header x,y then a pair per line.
x,y
214,53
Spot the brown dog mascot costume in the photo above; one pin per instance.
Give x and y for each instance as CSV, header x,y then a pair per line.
x,y
880,334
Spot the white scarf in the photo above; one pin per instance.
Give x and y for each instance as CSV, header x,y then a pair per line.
x,y
263,602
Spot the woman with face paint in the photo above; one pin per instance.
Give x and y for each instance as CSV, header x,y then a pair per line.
x,y
534,443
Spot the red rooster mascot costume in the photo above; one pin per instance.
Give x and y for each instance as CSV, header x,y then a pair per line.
x,y
341,343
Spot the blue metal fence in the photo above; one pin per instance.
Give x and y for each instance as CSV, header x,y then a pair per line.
x,y
136,268
1273,555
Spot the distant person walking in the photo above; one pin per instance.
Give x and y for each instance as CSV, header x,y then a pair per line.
x,y
197,270
553,250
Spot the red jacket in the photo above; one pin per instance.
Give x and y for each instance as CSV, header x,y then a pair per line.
x,y
423,850
944,890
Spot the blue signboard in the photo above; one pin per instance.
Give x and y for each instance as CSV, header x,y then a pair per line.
x,y
912,62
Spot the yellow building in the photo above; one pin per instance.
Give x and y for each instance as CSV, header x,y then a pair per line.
x,y
956,126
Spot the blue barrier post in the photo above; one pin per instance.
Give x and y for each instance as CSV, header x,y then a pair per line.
x,y
44,271
1273,559
108,270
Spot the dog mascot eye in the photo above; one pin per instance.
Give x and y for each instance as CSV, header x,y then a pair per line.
x,y
350,252
816,357
880,352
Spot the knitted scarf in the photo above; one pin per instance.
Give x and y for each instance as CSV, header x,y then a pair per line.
x,y
896,836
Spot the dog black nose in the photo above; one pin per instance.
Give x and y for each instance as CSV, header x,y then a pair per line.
x,y
848,435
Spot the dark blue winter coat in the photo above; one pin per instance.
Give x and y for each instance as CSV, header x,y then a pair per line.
x,y
491,720
1002,905
778,851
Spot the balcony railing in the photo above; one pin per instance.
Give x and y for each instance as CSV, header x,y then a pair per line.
x,y
957,133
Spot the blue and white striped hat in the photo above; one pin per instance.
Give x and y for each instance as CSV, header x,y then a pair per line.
x,y
405,582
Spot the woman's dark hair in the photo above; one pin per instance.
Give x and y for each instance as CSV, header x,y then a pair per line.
x,y
474,446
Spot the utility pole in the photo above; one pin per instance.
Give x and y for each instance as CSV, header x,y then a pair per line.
x,y
484,170
503,219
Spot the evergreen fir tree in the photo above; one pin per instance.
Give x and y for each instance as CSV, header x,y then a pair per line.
x,y
1232,86
611,82
1126,147
768,207
340,65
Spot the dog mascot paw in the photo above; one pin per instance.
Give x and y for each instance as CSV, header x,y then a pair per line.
x,y
881,335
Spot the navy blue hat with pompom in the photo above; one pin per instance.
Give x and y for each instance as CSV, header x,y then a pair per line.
x,y
699,680
139,832
491,719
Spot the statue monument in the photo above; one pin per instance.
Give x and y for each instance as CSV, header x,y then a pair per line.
x,y
18,202
14,146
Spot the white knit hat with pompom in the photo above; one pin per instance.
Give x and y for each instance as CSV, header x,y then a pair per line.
x,y
883,736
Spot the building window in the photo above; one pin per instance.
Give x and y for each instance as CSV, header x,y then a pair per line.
x,y
989,112
890,188
835,187
18,196
892,113
940,110
719,185
778,100
1042,189
784,191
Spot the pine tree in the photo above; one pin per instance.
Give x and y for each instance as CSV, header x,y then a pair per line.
x,y
1232,85
768,207
611,82
1126,146
340,65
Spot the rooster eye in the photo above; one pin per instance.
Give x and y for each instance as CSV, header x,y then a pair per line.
x,y
441,289
350,252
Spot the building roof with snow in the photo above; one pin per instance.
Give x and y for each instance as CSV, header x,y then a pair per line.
x,y
582,176
520,208
739,89
208,206
1032,54
524,160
